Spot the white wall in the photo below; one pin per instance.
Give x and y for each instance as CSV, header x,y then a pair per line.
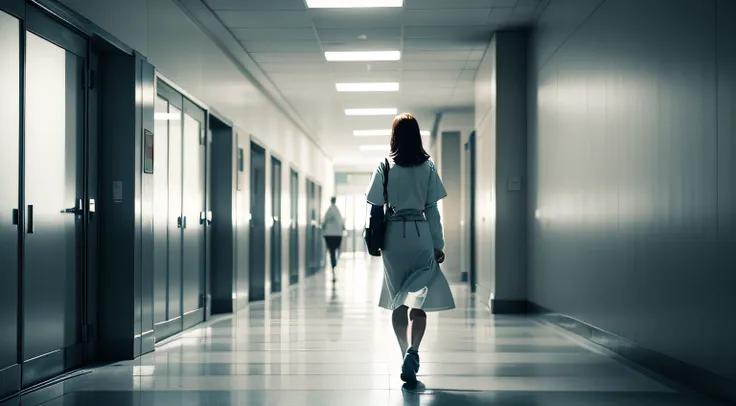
x,y
632,146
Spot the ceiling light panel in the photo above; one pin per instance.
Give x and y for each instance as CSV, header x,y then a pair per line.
x,y
363,56
368,87
354,3
371,112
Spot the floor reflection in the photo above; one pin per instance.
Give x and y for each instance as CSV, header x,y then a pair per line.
x,y
325,343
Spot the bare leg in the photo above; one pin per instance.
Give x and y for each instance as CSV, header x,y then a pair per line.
x,y
400,321
418,327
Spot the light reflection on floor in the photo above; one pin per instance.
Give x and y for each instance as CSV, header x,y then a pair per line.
x,y
325,344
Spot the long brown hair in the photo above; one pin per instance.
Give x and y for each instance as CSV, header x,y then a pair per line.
x,y
406,141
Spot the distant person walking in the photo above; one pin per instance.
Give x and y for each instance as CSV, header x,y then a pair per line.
x,y
333,226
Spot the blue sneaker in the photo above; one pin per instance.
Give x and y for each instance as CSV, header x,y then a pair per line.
x,y
410,366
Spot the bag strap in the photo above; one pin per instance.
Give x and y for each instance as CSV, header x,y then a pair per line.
x,y
386,170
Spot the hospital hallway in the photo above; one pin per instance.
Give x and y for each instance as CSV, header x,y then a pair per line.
x,y
325,344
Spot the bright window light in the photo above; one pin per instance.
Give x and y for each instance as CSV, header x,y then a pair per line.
x,y
368,87
167,116
375,147
371,112
353,3
379,133
364,56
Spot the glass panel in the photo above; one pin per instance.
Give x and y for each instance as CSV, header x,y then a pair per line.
x,y
54,102
9,139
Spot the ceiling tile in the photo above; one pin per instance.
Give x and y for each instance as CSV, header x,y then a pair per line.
x,y
500,15
446,4
455,55
346,19
471,33
358,45
468,74
282,46
355,34
273,34
271,5
472,64
295,67
477,54
364,68
374,76
445,17
265,19
287,57
448,44
430,75
434,65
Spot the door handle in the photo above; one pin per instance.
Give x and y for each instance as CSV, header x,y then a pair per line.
x,y
178,222
184,222
30,226
75,210
16,217
209,217
202,217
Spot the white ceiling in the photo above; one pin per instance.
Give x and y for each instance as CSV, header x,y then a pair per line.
x,y
442,43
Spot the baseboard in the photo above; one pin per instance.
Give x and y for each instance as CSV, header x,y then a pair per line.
x,y
9,380
505,306
680,372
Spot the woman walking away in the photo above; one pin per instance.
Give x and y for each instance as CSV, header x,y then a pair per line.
x,y
333,226
413,283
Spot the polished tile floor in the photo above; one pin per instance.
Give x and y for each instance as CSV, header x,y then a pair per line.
x,y
325,344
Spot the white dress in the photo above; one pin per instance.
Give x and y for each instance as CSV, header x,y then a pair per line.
x,y
412,276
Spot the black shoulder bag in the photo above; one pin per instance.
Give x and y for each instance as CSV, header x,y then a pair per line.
x,y
374,234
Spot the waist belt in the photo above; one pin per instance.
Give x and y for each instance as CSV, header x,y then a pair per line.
x,y
412,216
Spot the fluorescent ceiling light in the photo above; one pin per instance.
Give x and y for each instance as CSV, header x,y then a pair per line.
x,y
368,87
167,116
353,3
375,147
379,133
371,112
363,56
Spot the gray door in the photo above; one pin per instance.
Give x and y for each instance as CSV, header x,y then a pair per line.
x,y
276,225
194,214
257,275
293,227
53,170
9,204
